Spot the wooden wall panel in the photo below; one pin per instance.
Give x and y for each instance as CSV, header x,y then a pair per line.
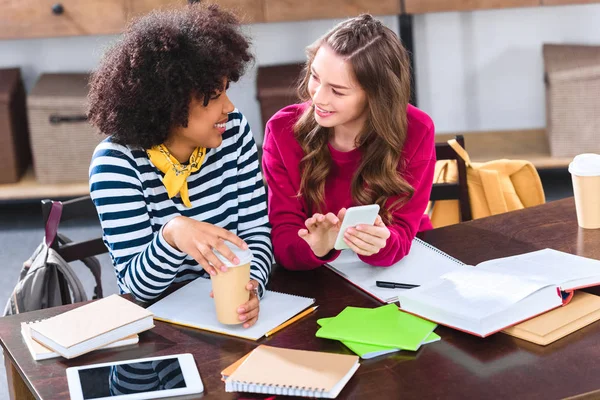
x,y
427,6
293,10
34,18
248,10
563,2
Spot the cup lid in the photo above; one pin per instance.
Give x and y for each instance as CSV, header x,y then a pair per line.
x,y
587,164
245,256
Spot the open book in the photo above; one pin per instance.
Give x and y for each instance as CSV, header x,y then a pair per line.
x,y
423,264
502,292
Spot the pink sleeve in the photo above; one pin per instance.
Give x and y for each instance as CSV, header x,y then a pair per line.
x,y
407,219
286,210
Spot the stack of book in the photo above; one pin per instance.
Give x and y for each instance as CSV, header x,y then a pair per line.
x,y
106,323
371,332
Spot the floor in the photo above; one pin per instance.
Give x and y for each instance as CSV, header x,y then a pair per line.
x,y
21,231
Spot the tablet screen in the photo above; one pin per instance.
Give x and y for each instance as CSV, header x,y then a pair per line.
x,y
139,377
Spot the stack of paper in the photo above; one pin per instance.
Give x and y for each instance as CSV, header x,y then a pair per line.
x,y
374,332
91,326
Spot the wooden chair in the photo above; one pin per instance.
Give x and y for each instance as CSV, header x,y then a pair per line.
x,y
78,208
453,191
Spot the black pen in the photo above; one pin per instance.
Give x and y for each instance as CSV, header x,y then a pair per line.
x,y
395,285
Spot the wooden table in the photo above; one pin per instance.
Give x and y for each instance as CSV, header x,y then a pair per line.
x,y
459,366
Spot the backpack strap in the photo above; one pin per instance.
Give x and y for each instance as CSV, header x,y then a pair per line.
x,y
493,191
51,236
462,153
52,223
93,265
73,281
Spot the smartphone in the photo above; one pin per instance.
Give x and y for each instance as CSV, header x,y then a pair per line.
x,y
359,215
144,378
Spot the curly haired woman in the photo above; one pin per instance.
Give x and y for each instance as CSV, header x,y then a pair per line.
x,y
179,174
355,141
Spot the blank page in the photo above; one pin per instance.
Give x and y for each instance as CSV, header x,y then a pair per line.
x,y
474,293
423,263
191,305
562,269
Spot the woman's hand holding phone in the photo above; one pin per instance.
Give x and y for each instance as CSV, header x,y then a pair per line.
x,y
367,240
359,228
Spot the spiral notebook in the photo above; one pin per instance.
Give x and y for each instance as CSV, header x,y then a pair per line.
x,y
423,263
279,371
192,306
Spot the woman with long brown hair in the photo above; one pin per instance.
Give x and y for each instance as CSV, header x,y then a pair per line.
x,y
354,141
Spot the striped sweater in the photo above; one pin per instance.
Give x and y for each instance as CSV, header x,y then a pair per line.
x,y
133,206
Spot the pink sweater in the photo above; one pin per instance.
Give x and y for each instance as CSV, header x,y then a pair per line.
x,y
287,212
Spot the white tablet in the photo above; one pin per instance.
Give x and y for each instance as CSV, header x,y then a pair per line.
x,y
143,378
365,215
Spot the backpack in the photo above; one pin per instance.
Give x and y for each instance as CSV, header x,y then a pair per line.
x,y
494,187
39,284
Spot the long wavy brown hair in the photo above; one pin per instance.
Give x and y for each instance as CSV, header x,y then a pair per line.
x,y
381,67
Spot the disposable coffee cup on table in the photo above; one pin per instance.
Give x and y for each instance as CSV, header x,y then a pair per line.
x,y
585,172
229,288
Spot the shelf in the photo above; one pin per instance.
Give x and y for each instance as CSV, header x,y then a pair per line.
x,y
29,189
531,145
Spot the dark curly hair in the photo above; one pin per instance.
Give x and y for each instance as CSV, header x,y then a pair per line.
x,y
144,83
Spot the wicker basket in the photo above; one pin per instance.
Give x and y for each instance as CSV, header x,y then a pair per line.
x,y
14,137
572,99
62,141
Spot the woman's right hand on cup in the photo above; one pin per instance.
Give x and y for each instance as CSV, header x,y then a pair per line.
x,y
321,231
198,239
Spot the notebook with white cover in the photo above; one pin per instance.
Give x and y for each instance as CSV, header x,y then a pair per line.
x,y
92,326
423,263
192,306
503,292
279,371
40,352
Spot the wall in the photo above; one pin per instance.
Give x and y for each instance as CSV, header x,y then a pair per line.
x,y
475,70
484,70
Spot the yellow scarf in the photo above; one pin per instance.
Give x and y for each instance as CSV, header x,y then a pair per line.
x,y
176,175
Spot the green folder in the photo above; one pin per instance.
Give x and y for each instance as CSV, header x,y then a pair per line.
x,y
384,326
366,351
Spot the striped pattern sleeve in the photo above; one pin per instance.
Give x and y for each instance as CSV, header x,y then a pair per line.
x,y
144,262
253,222
148,376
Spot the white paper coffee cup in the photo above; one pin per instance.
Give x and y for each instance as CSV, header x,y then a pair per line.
x,y
229,288
585,173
